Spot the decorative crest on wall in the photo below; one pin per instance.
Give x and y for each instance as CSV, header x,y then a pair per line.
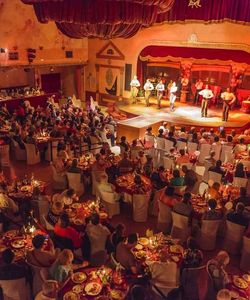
x,y
194,3
110,51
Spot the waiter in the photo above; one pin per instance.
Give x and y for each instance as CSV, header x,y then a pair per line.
x,y
228,99
148,87
172,97
160,88
206,94
134,88
198,87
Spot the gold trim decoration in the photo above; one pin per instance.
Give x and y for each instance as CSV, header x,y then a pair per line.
x,y
194,3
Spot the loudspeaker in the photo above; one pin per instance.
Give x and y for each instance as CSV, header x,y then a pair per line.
x,y
68,54
128,75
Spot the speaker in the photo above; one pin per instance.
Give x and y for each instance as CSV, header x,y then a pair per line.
x,y
128,75
68,54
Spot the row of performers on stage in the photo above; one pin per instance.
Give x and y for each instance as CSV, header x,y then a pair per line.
x,y
207,94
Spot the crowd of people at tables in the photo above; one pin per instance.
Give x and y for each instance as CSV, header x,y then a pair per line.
x,y
100,239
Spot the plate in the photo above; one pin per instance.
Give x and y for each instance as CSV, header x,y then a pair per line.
x,y
176,249
78,277
2,248
175,258
138,247
25,188
76,205
117,294
70,296
246,277
78,289
17,244
78,222
143,241
140,254
70,212
10,234
93,289
240,283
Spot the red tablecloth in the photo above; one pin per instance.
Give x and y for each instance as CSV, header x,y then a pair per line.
x,y
242,94
245,106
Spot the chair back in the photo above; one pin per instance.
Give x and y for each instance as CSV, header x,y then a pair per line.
x,y
207,165
74,180
217,150
33,156
20,154
234,231
164,274
140,207
229,157
4,155
115,263
160,143
110,203
37,279
168,145
149,140
246,244
210,227
246,164
180,145
204,152
168,163
191,147
59,181
188,165
164,215
179,220
240,182
224,149
215,177
47,224
15,289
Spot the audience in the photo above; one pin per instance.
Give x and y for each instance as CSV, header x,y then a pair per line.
x,y
212,213
238,216
184,207
192,256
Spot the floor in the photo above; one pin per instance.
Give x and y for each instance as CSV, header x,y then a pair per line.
x,y
43,172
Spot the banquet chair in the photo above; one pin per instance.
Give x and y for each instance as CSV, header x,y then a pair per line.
x,y
114,263
189,282
168,163
15,289
180,145
140,207
188,165
160,149
20,154
240,182
33,156
164,220
111,205
245,255
134,154
202,188
204,152
246,164
180,228
191,147
59,182
229,157
149,141
224,149
96,176
207,235
207,165
75,183
40,207
215,177
196,187
37,280
47,224
4,155
168,145
154,207
217,150
233,237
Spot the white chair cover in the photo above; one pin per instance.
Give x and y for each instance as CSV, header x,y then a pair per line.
x,y
33,156
134,154
215,177
204,152
245,255
4,155
233,238
191,147
168,163
225,148
16,289
154,206
229,157
140,207
208,233
46,223
180,145
180,229
217,150
188,165
96,176
20,154
160,143
246,164
168,145
164,221
37,280
59,181
111,205
75,183
240,182
207,165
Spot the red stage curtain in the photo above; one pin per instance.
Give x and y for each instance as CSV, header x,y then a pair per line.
x,y
100,18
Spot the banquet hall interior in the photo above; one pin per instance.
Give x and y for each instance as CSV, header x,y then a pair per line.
x,y
124,149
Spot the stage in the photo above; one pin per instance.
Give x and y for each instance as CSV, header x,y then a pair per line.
x,y
185,114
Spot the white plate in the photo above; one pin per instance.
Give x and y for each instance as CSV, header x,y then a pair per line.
x,y
70,296
78,277
93,289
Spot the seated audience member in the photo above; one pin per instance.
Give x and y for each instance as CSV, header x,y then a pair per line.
x,y
157,178
243,198
135,146
210,159
117,236
138,186
192,256
97,234
9,270
99,164
141,159
216,141
62,267
49,291
229,141
177,179
69,196
39,256
74,168
168,197
184,158
240,147
239,171
164,127
194,138
125,165
217,168
212,213
214,191
124,145
125,256
184,207
105,186
171,138
148,166
217,276
59,166
56,208
238,216
160,133
190,178
64,230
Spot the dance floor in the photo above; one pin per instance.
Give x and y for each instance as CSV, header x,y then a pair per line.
x,y
184,114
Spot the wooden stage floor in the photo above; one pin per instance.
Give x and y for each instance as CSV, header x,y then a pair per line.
x,y
185,114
